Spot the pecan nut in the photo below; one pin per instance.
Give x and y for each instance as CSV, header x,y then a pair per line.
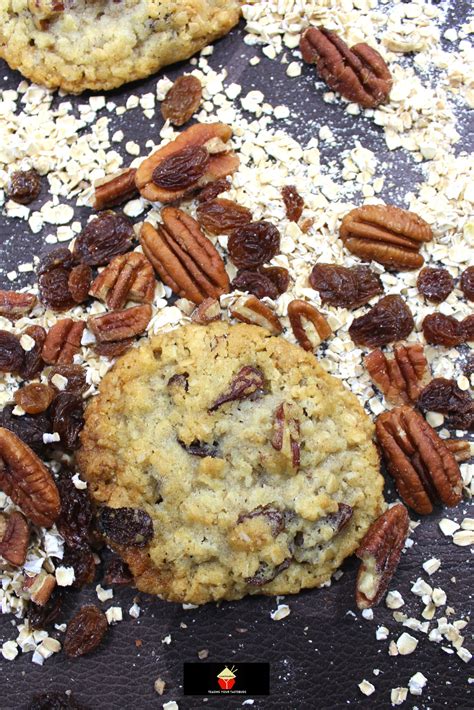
x,y
309,325
249,309
184,258
15,305
358,73
402,377
115,189
27,481
14,539
248,382
40,587
63,341
128,277
460,449
286,433
221,161
380,552
386,234
120,325
44,11
207,312
424,468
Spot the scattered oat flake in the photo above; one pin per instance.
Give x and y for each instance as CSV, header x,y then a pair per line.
x,y
448,527
406,644
416,683
398,696
171,705
160,686
432,565
464,538
366,687
282,611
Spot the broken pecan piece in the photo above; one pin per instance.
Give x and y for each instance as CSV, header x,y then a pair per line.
x,y
286,433
247,382
27,481
115,189
249,309
14,538
386,234
184,258
402,377
120,325
380,552
309,325
44,11
359,73
207,312
63,341
211,137
424,468
460,449
40,587
128,277
15,305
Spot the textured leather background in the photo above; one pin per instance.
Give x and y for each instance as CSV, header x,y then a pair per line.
x,y
321,651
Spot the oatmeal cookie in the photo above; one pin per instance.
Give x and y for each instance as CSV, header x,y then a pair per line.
x,y
102,44
256,467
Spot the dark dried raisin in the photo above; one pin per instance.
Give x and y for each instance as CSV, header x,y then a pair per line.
x,y
75,519
79,282
54,289
116,571
85,631
340,519
345,287
278,275
467,283
33,362
253,244
25,186
67,418
81,560
213,189
34,398
442,395
114,348
40,617
440,329
389,320
467,329
199,448
126,526
58,257
266,573
274,517
294,203
178,383
182,100
104,237
435,284
222,216
256,283
75,375
29,427
246,383
181,170
12,354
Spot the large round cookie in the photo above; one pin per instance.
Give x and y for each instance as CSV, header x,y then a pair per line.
x,y
290,487
101,44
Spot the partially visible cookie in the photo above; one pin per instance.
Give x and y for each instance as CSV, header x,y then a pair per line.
x,y
102,44
256,467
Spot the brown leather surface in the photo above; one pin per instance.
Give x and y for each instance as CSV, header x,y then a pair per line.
x,y
324,648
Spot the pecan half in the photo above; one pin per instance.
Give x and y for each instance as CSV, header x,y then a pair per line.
x,y
207,312
386,234
460,449
380,552
222,161
286,433
247,382
249,309
424,468
14,538
15,305
359,73
128,277
309,325
115,189
402,377
27,481
63,341
184,258
120,325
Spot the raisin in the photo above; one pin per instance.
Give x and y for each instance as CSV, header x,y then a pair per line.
x,y
181,170
79,282
178,383
256,283
274,517
294,203
40,617
247,382
468,367
126,526
346,287
114,348
267,573
12,354
278,275
435,284
85,631
75,375
29,428
253,244
222,216
182,100
25,186
104,237
467,283
199,448
58,257
440,329
34,398
442,395
81,560
67,419
55,700
116,571
213,189
340,519
467,328
33,362
75,519
54,289
389,320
